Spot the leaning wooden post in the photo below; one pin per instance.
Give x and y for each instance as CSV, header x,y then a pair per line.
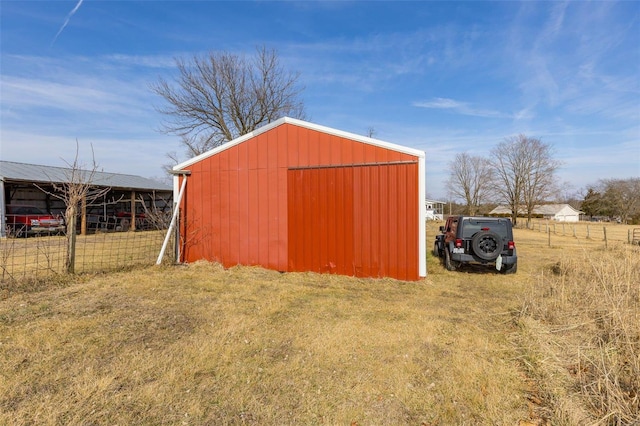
x,y
604,229
549,234
588,236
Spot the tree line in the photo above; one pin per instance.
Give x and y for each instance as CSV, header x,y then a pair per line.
x,y
614,198
521,173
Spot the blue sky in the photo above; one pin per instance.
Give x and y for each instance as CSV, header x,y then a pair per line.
x,y
443,77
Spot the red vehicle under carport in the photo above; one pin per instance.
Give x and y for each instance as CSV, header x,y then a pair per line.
x,y
23,220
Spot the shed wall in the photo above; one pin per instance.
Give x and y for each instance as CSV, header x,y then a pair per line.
x,y
235,209
357,221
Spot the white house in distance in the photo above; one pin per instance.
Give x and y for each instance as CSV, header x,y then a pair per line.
x,y
434,210
557,212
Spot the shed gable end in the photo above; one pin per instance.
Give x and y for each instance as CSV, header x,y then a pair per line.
x,y
238,207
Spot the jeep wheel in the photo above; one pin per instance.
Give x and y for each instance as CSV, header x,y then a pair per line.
x,y
487,245
436,250
448,263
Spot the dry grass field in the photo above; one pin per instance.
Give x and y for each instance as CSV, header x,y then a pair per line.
x,y
600,233
579,330
196,344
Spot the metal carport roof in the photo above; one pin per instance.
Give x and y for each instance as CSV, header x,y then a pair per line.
x,y
23,172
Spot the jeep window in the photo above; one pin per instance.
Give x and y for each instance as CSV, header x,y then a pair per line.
x,y
471,227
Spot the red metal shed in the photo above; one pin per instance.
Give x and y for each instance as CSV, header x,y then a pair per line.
x,y
295,196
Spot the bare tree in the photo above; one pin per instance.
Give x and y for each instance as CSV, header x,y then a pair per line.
x,y
76,192
221,96
371,132
173,158
525,171
470,179
540,179
155,217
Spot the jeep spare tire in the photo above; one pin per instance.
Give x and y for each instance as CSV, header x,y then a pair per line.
x,y
487,245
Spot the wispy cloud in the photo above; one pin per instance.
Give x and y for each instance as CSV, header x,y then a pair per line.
x,y
370,60
578,62
465,108
102,84
76,97
80,96
147,61
554,24
66,21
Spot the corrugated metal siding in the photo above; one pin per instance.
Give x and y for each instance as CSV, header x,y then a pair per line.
x,y
358,221
237,205
320,207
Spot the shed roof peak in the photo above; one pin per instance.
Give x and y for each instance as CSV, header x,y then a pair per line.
x,y
305,124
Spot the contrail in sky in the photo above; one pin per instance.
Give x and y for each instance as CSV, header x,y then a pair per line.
x,y
75,9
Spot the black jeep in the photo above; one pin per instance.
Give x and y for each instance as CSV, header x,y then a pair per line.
x,y
479,241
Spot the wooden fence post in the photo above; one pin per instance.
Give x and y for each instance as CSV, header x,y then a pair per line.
x,y
132,227
604,229
549,234
71,244
83,215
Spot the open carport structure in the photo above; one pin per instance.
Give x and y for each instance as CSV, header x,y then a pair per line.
x,y
295,196
124,201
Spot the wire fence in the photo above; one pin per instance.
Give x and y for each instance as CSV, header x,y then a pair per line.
x,y
42,255
607,232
